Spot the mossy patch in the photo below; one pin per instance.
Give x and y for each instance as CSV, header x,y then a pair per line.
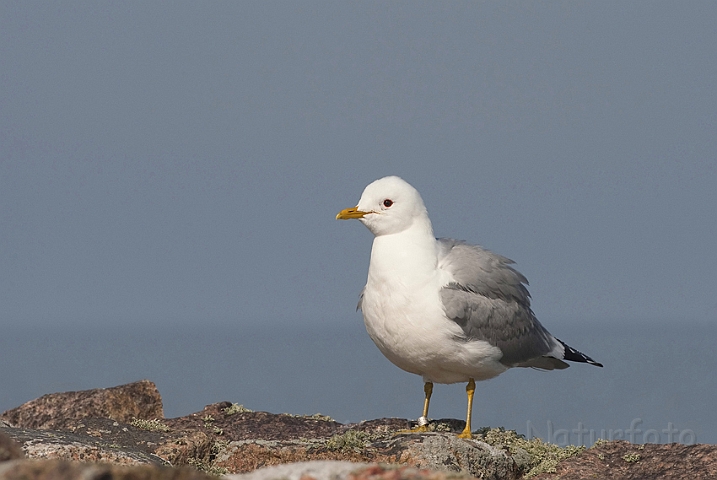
x,y
207,467
236,408
631,457
315,416
318,416
154,425
543,457
350,440
436,426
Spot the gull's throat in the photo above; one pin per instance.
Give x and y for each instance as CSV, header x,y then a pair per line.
x,y
406,258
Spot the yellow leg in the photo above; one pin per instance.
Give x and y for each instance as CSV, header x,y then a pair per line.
x,y
470,390
428,390
423,421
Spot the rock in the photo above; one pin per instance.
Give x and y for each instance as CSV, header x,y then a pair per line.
x,y
123,426
64,470
444,451
621,460
225,438
251,440
336,470
9,449
220,420
58,410
397,472
316,470
47,444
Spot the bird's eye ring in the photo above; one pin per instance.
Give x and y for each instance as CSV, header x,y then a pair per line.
x,y
387,203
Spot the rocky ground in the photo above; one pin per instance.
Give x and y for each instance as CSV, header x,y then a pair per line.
x,y
121,433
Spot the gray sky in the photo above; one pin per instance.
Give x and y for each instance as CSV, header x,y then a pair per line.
x,y
184,161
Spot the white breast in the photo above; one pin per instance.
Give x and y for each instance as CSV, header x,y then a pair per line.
x,y
405,319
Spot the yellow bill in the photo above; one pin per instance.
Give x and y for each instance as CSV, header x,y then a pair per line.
x,y
349,213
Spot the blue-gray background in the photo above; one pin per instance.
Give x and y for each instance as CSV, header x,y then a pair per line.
x,y
170,173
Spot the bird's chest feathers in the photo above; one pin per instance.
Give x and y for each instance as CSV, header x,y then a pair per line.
x,y
402,322
399,277
401,304
395,301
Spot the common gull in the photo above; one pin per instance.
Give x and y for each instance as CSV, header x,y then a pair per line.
x,y
441,308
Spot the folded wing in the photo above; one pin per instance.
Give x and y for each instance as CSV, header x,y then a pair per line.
x,y
490,301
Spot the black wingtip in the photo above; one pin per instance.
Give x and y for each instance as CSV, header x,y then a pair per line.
x,y
576,356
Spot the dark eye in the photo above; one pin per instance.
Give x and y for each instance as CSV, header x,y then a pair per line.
x,y
387,203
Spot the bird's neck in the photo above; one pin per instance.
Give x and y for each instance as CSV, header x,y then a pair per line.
x,y
405,258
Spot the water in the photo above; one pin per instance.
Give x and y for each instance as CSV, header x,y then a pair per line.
x,y
658,383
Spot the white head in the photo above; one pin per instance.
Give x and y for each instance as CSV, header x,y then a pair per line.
x,y
387,206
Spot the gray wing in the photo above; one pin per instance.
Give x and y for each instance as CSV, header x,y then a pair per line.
x,y
489,300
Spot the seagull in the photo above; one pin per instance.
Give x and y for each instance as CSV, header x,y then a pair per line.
x,y
442,308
